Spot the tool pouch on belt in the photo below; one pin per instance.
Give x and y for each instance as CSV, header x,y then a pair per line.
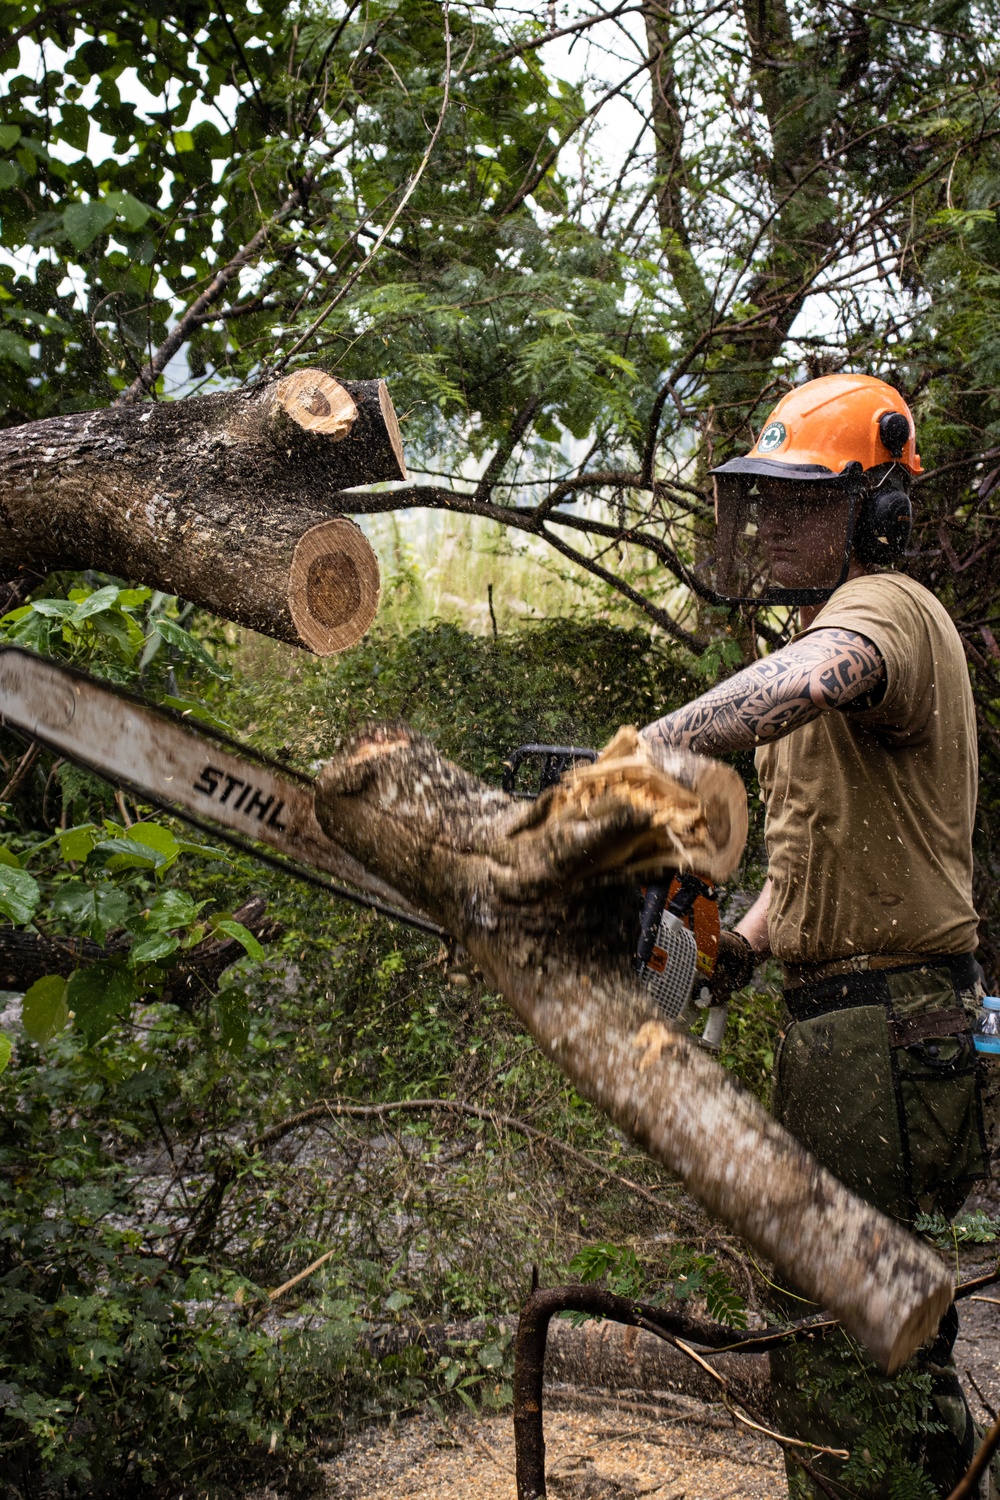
x,y
877,1075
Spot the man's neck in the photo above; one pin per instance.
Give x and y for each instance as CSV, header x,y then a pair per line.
x,y
808,612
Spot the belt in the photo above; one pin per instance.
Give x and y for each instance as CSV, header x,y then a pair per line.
x,y
870,986
799,975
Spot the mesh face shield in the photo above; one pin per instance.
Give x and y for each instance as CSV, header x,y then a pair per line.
x,y
785,543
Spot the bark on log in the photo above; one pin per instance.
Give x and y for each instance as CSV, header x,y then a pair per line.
x,y
543,896
231,501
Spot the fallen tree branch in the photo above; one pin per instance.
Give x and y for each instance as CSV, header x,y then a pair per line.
x,y
27,956
731,1406
672,1324
542,895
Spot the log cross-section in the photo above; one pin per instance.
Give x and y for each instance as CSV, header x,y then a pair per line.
x,y
233,501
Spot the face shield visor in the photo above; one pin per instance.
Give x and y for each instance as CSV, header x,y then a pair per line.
x,y
782,540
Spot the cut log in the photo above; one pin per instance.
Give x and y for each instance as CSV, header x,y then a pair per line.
x,y
234,502
597,1356
543,897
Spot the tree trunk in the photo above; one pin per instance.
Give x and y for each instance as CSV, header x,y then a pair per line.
x,y
231,501
543,897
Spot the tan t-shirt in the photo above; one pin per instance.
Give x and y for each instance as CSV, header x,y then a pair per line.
x,y
869,811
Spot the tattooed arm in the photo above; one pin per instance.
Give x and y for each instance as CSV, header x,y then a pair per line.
x,y
826,670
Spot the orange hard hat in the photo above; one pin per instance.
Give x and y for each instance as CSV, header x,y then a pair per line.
x,y
829,425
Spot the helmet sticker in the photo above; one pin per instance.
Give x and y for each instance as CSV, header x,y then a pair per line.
x,y
772,437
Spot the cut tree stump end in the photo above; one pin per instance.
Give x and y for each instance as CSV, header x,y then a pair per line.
x,y
333,586
392,427
317,403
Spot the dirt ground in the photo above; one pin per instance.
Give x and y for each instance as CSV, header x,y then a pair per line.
x,y
602,1453
599,1448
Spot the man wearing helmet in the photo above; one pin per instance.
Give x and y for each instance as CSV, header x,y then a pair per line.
x,y
865,737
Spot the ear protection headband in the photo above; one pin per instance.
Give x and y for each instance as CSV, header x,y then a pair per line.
x,y
885,516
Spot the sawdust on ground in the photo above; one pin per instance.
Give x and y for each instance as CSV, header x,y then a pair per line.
x,y
602,1453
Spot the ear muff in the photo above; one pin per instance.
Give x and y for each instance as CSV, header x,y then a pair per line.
x,y
883,527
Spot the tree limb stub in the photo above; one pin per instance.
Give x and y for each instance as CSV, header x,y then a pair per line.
x,y
232,501
543,897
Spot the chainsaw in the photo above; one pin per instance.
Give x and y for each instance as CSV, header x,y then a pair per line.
x,y
679,926
230,791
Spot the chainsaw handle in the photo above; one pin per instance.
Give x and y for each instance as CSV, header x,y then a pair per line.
x,y
555,760
649,923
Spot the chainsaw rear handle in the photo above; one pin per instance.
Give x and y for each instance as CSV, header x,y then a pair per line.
x,y
555,760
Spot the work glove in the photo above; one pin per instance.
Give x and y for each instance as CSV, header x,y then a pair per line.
x,y
733,968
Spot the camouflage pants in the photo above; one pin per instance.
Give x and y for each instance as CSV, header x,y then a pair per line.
x,y
902,1126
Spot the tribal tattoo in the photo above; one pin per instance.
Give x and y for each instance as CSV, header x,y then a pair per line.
x,y
829,669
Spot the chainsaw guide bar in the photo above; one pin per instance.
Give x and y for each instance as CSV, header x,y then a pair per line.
x,y
188,769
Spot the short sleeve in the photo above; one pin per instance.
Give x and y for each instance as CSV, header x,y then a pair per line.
x,y
880,607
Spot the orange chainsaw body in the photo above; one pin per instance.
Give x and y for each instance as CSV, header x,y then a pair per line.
x,y
703,921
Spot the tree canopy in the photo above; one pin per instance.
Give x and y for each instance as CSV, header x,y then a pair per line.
x,y
586,275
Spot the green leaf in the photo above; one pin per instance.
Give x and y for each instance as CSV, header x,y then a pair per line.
x,y
125,854
171,909
76,843
154,836
150,949
33,631
11,860
129,209
96,910
11,347
45,1011
98,996
9,136
183,140
85,221
242,935
53,608
74,126
8,175
175,635
191,708
95,604
6,1050
19,894
121,629
134,598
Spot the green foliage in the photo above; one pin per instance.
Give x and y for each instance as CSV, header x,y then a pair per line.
x,y
565,682
695,1275
977,1228
117,1258
687,1274
886,1417
617,1265
751,1037
105,629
